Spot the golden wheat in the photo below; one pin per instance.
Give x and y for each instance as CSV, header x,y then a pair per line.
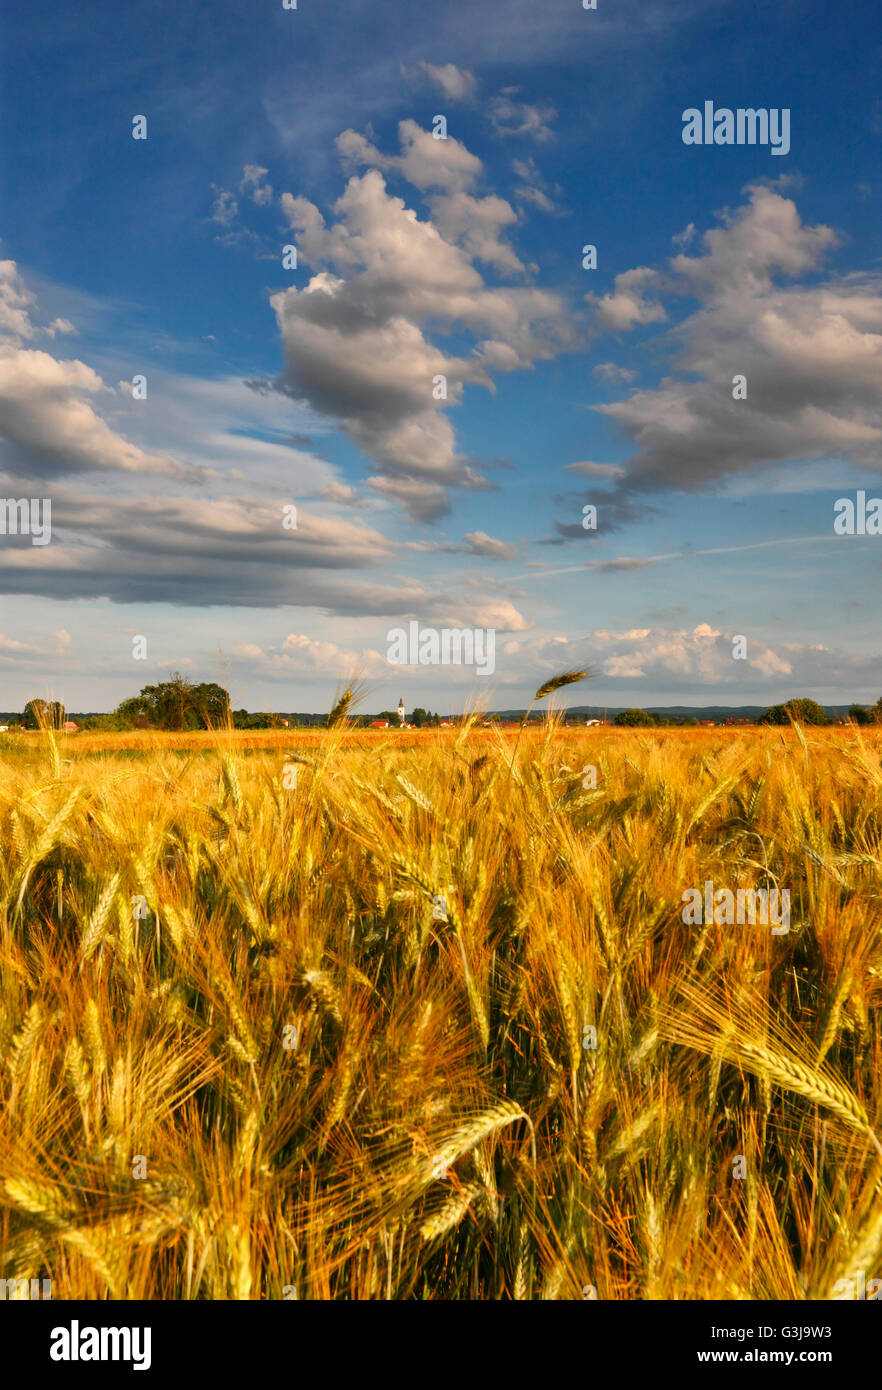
x,y
346,1049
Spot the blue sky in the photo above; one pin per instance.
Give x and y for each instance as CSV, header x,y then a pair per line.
x,y
416,257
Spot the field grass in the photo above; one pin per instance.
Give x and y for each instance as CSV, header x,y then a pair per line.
x,y
347,1052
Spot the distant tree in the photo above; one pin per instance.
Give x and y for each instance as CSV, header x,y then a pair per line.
x,y
134,712
775,714
211,705
860,714
34,714
114,723
419,716
802,710
242,719
631,718
177,704
43,714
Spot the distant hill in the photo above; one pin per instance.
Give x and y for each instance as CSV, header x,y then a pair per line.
x,y
715,712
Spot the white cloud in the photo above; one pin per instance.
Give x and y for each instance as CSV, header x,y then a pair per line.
x,y
482,544
684,238
253,185
811,355
424,161
15,303
628,305
702,655
224,209
611,371
15,654
300,655
594,470
355,337
43,410
510,117
456,84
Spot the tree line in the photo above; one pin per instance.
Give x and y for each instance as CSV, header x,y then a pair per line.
x,y
800,709
179,704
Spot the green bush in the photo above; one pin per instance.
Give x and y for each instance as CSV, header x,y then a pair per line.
x,y
634,718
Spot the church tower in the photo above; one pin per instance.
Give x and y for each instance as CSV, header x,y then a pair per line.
x,y
401,711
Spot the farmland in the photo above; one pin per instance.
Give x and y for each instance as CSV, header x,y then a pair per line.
x,y
416,1014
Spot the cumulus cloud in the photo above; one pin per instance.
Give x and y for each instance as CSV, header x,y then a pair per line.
x,y
300,655
16,302
424,161
498,613
49,416
45,413
628,305
356,337
702,655
477,224
811,354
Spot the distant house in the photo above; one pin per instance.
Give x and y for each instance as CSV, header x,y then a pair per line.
x,y
4,728
590,723
380,724
70,727
446,724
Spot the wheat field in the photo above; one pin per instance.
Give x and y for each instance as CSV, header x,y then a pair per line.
x,y
429,1023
